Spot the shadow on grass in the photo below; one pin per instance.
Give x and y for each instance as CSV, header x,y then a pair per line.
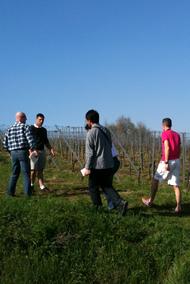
x,y
78,191
166,209
75,191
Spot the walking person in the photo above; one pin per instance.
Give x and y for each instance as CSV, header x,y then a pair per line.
x,y
18,141
99,163
116,165
169,166
38,165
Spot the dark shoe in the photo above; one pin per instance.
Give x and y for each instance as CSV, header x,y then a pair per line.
x,y
11,195
122,207
45,189
32,189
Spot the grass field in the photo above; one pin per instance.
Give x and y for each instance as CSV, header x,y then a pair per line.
x,y
60,238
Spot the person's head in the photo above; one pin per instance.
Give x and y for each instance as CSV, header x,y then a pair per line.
x,y
21,117
40,119
92,117
166,123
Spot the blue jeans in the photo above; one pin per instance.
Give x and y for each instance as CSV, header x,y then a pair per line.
x,y
20,162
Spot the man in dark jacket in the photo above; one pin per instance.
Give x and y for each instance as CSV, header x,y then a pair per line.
x,y
38,165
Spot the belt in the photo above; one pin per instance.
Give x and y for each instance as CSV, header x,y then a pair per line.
x,y
22,149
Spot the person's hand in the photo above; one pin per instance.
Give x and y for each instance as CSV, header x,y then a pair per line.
x,y
33,153
167,168
85,172
52,152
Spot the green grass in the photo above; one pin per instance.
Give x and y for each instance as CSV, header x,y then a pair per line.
x,y
61,238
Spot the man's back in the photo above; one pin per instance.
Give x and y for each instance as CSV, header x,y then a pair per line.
x,y
98,148
18,137
174,141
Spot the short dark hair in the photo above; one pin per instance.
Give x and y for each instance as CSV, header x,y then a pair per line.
x,y
40,115
167,121
87,127
93,116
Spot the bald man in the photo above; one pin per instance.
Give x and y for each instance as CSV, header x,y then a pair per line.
x,y
19,142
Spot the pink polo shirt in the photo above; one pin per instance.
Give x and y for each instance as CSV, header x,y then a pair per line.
x,y
174,144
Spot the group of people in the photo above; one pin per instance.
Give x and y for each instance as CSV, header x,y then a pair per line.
x,y
26,147
99,164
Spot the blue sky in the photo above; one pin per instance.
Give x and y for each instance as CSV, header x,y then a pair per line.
x,y
124,57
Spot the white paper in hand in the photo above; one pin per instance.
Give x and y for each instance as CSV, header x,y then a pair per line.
x,y
85,172
165,175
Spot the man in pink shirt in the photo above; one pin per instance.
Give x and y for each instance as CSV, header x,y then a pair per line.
x,y
169,166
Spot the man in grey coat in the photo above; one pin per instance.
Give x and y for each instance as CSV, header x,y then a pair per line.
x,y
99,163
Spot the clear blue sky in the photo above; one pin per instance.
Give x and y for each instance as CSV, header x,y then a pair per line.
x,y
121,57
